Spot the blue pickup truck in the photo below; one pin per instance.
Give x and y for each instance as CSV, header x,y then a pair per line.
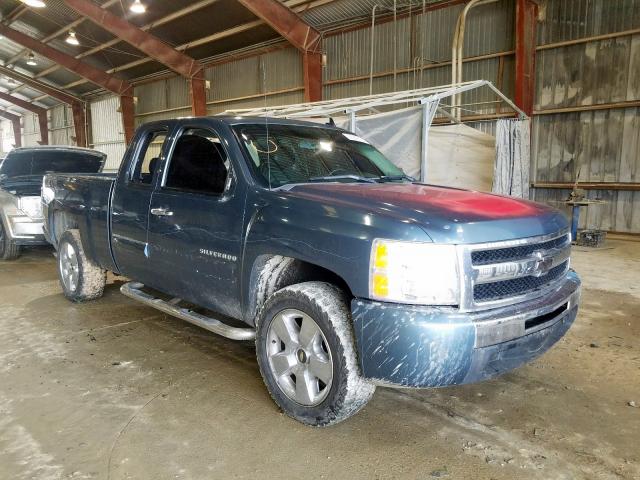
x,y
303,237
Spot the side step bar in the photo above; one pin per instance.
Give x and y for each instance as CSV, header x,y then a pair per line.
x,y
134,290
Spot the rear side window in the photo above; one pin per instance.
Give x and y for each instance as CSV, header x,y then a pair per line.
x,y
198,163
149,156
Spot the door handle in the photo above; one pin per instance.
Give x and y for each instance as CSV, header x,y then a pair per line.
x,y
161,212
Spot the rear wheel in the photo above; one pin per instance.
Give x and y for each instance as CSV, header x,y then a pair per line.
x,y
81,279
8,249
307,356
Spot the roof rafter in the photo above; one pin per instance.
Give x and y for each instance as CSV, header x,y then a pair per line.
x,y
101,78
151,45
57,33
147,27
297,5
41,112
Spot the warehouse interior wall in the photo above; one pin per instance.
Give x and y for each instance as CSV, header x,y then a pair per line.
x,y
586,123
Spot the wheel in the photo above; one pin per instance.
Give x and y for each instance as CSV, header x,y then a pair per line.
x,y
307,357
81,279
8,249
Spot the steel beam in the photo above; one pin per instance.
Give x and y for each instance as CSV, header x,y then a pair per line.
x,y
99,77
15,121
286,22
50,90
77,104
80,123
151,45
57,33
300,34
312,73
91,73
41,112
526,17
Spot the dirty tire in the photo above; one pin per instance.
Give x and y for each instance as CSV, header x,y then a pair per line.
x,y
90,278
8,249
328,307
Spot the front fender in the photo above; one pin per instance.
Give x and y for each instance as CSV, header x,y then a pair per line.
x,y
335,238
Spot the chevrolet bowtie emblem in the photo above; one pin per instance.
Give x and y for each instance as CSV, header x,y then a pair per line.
x,y
543,264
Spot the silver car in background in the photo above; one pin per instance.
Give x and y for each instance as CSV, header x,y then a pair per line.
x,y
21,174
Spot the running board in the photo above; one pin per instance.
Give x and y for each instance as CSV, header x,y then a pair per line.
x,y
134,290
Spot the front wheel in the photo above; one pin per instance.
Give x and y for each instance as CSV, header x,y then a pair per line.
x,y
80,278
8,249
307,357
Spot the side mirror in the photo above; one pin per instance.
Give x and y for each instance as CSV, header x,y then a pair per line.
x,y
3,177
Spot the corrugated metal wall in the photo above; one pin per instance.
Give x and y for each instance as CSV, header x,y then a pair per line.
x,y
423,52
30,130
107,130
274,78
593,146
61,128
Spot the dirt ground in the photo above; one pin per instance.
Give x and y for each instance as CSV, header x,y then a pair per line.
x,y
115,390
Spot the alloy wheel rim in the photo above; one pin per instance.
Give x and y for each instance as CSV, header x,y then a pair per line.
x,y
299,357
69,269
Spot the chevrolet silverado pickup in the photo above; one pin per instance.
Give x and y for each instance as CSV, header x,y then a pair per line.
x,y
303,237
21,174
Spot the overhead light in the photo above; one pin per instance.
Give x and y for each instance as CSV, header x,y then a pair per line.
x,y
31,59
34,3
137,7
72,39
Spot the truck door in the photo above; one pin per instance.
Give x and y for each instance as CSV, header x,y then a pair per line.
x,y
195,225
131,200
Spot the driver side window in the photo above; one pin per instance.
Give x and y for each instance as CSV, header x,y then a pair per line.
x,y
199,163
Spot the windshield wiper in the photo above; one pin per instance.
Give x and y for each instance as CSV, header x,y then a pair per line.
x,y
331,178
395,178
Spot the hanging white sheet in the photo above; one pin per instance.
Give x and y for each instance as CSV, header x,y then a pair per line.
x,y
513,158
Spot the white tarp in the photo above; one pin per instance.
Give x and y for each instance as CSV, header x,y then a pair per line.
x,y
513,158
461,156
397,134
458,155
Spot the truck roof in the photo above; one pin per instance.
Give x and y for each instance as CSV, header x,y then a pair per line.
x,y
240,120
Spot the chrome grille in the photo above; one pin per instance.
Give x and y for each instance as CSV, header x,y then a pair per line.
x,y
484,292
500,273
485,257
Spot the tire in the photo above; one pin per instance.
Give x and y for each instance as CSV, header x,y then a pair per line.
x,y
8,249
80,278
314,379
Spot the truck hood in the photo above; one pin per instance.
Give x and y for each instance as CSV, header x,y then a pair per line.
x,y
447,215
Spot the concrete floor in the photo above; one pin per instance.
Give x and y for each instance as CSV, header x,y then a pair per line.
x,y
114,390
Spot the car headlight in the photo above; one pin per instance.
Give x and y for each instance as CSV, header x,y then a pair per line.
x,y
413,272
48,194
31,207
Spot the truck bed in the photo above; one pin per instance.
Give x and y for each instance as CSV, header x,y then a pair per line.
x,y
87,199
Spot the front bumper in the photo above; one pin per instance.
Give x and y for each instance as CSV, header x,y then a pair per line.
x,y
413,346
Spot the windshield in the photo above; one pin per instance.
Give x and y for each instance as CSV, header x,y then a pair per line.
x,y
300,154
35,162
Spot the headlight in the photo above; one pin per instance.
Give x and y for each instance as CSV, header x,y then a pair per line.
x,y
412,272
31,207
48,194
